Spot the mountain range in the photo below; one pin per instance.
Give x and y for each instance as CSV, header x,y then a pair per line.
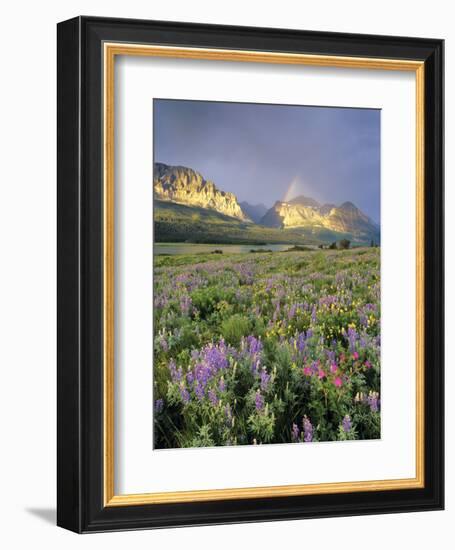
x,y
184,196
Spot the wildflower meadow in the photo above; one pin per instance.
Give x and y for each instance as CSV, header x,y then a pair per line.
x,y
276,347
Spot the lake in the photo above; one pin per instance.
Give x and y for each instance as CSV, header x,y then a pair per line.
x,y
192,248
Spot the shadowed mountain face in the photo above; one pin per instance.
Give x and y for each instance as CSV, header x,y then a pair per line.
x,y
254,211
304,212
187,205
183,185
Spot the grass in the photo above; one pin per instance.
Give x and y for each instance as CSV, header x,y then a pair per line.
x,y
180,223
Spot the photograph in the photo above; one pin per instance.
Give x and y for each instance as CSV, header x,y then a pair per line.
x,y
267,273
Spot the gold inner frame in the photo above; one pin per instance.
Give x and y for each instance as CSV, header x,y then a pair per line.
x,y
110,51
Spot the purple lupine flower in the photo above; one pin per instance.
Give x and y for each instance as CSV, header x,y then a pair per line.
x,y
163,343
295,433
346,424
215,356
185,304
352,337
265,379
339,277
176,374
213,397
199,390
254,345
259,401
373,401
172,369
161,301
222,385
313,315
185,394
363,342
159,405
245,273
307,430
301,343
190,377
201,374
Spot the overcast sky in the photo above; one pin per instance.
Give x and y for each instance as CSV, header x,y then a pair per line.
x,y
265,153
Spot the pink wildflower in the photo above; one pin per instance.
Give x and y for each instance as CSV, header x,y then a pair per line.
x,y
338,382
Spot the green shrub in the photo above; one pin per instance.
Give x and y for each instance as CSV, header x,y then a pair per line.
x,y
233,328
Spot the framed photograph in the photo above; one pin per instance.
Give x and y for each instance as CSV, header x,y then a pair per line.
x,y
250,274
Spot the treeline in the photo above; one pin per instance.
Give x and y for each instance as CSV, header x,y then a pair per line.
x,y
344,244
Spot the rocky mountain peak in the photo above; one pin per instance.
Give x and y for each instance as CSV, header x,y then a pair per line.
x,y
305,201
307,213
183,185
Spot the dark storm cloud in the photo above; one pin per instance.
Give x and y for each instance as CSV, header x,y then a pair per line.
x,y
264,153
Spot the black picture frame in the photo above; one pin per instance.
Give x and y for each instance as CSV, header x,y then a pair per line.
x,y
80,474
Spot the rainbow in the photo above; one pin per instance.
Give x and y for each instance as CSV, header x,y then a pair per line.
x,y
295,188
